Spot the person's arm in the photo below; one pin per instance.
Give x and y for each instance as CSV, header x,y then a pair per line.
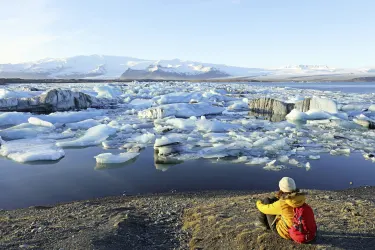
x,y
274,208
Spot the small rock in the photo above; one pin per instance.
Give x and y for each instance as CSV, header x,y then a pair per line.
x,y
328,197
24,246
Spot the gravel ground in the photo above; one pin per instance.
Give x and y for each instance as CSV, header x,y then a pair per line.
x,y
213,220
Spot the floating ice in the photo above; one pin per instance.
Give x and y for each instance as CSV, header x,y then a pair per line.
x,y
5,94
92,137
258,161
308,166
86,124
71,116
214,126
141,103
323,104
181,110
38,122
296,115
271,166
144,138
109,158
340,151
107,91
27,150
314,157
23,131
13,118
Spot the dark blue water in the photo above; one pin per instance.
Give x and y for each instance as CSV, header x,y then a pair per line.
x,y
78,177
346,87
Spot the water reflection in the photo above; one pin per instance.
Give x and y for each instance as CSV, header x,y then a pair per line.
x,y
163,163
103,166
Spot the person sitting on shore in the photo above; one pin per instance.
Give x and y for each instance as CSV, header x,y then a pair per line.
x,y
288,214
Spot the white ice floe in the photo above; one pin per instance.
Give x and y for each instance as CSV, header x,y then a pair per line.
x,y
314,157
308,166
141,103
92,137
23,131
5,94
271,166
26,150
71,116
86,124
38,122
107,91
13,118
340,151
181,110
323,104
214,126
143,139
258,161
296,115
109,158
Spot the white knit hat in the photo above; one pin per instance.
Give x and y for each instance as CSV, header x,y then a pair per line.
x,y
287,184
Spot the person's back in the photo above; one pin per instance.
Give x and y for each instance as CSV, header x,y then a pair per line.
x,y
279,212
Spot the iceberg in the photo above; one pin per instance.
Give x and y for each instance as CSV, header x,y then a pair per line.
x,y
94,136
27,150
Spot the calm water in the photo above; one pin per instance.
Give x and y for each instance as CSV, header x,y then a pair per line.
x,y
78,177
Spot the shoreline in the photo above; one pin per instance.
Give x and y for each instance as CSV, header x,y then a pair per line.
x,y
203,220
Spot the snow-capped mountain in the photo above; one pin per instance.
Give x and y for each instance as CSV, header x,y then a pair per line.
x,y
112,67
99,66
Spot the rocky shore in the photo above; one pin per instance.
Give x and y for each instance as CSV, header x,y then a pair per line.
x,y
218,220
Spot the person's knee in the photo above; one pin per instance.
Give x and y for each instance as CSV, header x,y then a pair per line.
x,y
267,201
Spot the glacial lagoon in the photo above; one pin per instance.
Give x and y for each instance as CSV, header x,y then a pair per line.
x,y
78,176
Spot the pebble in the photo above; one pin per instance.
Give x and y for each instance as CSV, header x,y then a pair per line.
x,y
24,246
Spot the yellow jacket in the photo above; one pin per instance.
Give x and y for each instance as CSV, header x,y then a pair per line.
x,y
283,208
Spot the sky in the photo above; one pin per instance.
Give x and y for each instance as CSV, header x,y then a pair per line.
x,y
250,33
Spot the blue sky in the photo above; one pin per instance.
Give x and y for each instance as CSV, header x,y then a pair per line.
x,y
253,33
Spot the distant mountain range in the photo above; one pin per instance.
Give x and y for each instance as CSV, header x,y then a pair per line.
x,y
113,67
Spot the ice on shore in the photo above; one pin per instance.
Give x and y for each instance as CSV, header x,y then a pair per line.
x,y
109,158
92,137
27,150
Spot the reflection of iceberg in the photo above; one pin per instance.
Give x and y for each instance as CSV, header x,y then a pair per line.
x,y
268,116
102,166
163,163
